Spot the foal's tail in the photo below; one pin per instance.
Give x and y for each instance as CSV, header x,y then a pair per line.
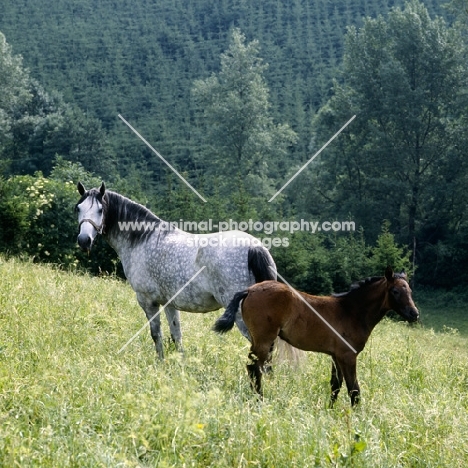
x,y
227,320
261,264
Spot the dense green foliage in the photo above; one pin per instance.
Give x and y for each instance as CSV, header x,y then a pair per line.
x,y
405,157
235,114
36,125
141,58
67,398
238,96
38,220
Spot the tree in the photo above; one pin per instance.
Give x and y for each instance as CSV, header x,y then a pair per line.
x,y
235,117
387,252
13,83
459,8
36,125
403,158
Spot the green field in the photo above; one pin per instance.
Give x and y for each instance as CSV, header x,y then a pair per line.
x,y
67,398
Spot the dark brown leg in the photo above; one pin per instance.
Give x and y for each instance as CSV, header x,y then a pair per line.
x,y
259,353
255,373
348,367
268,368
335,382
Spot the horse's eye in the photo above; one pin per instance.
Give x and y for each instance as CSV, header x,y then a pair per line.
x,y
395,292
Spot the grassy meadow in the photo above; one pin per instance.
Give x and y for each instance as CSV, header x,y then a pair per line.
x,y
67,398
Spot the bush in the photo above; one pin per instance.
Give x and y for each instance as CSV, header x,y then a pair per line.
x,y
37,220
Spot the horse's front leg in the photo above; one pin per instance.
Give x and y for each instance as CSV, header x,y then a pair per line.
x,y
152,314
173,318
348,367
335,382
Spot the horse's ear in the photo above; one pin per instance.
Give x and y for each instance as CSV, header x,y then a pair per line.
x,y
102,189
389,273
81,188
403,274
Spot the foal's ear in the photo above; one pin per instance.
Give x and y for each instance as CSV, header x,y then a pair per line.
x,y
81,188
102,189
389,273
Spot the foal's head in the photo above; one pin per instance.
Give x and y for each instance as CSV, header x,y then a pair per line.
x,y
399,296
90,215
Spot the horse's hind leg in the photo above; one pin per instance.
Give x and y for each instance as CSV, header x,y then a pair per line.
x,y
258,355
255,374
268,368
173,318
336,381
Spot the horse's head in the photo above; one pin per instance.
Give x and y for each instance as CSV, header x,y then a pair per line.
x,y
90,215
400,296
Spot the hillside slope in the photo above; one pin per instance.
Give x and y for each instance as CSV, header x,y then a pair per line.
x,y
68,398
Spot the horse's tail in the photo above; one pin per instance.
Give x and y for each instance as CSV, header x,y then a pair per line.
x,y
227,320
261,264
284,352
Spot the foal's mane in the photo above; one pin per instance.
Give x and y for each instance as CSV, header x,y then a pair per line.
x,y
359,286
362,284
118,208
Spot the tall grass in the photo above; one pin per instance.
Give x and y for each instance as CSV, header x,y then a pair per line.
x,y
68,399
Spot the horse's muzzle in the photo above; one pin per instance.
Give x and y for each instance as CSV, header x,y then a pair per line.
x,y
412,314
85,242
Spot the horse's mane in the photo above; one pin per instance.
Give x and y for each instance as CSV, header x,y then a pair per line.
x,y
118,208
359,286
362,284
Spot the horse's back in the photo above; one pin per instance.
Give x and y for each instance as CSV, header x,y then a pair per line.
x,y
230,264
296,317
268,301
164,264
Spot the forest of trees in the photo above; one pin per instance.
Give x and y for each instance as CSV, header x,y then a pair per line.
x,y
238,96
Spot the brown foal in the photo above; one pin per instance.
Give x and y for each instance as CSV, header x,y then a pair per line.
x,y
338,325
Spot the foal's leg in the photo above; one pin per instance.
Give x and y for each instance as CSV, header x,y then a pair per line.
x,y
336,381
255,373
152,314
173,318
348,367
258,355
268,368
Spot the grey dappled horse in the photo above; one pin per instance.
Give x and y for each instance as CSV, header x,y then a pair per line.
x,y
158,262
